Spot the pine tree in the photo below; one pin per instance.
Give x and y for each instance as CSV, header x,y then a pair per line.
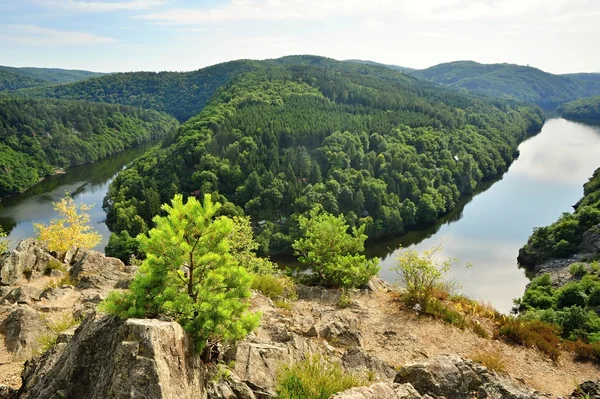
x,y
190,275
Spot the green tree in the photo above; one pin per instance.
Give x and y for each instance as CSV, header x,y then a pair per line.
x,y
243,248
3,243
190,275
333,254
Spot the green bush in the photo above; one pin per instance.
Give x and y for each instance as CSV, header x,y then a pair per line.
x,y
578,270
571,295
274,287
314,378
594,297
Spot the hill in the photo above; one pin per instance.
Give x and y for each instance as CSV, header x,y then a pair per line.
x,y
18,78
379,146
395,67
517,82
585,110
181,94
38,136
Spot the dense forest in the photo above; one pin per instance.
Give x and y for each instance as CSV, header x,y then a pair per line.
x,y
522,83
181,94
19,78
38,136
378,146
564,237
585,109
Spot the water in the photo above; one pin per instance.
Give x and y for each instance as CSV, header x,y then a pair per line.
x,y
488,229
87,184
485,230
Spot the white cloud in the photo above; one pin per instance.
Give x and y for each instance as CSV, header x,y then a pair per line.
x,y
100,6
39,36
273,10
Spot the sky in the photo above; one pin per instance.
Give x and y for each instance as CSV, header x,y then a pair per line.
x,y
558,36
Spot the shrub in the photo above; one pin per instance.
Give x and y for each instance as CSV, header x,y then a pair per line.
x,y
422,275
578,269
586,351
571,295
314,378
439,310
492,359
3,242
534,333
594,297
332,254
274,287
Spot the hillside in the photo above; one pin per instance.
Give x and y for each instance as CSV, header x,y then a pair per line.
x,y
181,94
19,78
517,82
395,67
585,109
374,144
38,136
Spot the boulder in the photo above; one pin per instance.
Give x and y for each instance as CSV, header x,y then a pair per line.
x,y
589,388
91,269
308,293
111,358
358,360
24,295
380,390
590,242
22,331
28,257
342,331
229,386
451,376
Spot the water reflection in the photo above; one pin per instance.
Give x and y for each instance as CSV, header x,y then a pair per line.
x,y
488,229
87,184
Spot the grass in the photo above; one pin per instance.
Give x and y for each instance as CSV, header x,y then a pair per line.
x,y
283,304
578,270
314,378
534,334
61,323
345,299
54,264
274,287
584,350
492,359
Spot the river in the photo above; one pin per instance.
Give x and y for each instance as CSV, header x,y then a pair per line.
x,y
87,184
485,230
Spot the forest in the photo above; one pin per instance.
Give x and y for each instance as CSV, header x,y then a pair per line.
x,y
585,110
38,136
18,78
522,83
382,148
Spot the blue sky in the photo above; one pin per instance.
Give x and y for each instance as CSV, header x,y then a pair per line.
x,y
559,36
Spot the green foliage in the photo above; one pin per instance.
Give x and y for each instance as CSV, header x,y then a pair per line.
x,y
274,287
190,275
585,109
18,78
563,238
3,242
244,247
122,246
517,82
439,310
314,378
39,136
578,269
332,254
384,149
422,275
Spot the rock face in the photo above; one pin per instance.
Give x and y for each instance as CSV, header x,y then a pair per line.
x,y
22,330
358,360
91,269
453,377
590,388
28,257
381,390
109,358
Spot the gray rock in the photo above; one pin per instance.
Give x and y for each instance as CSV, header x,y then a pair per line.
x,y
22,331
228,386
342,331
590,388
28,258
24,295
91,269
358,360
453,377
331,296
376,284
110,358
380,390
7,392
590,242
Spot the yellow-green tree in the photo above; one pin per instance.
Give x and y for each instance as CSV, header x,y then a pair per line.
x,y
71,231
3,243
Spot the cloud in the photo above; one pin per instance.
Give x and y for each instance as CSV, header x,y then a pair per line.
x,y
100,6
34,35
237,10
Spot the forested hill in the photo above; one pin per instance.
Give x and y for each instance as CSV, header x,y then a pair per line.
x,y
39,135
181,94
18,78
585,109
373,144
517,82
395,67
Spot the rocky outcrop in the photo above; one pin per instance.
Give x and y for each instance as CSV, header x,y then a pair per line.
x,y
343,331
451,376
22,331
358,360
381,390
93,270
29,258
110,358
589,388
